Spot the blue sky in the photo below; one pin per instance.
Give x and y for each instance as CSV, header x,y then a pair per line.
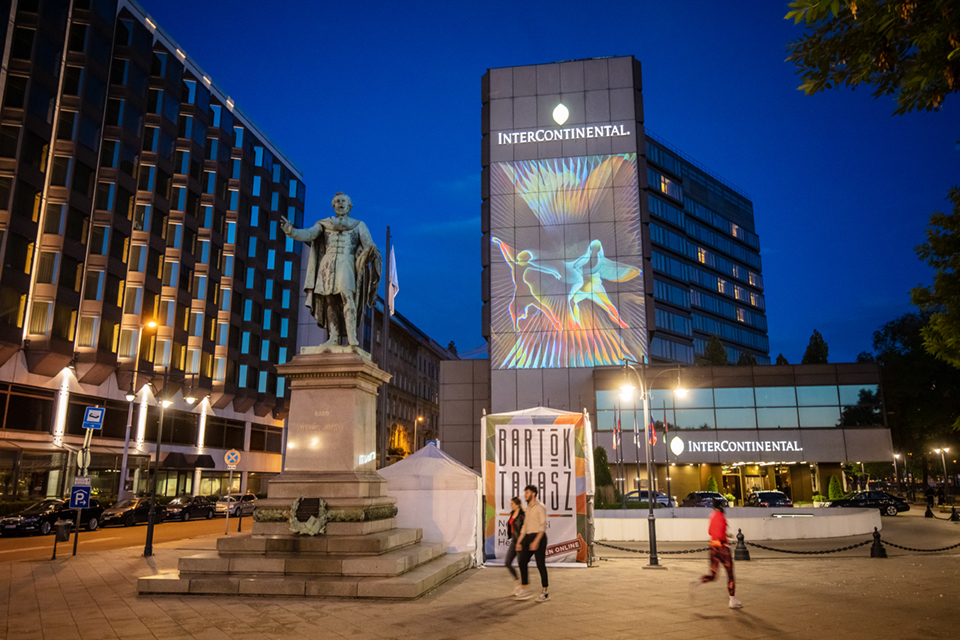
x,y
382,100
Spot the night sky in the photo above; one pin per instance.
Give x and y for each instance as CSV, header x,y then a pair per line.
x,y
382,100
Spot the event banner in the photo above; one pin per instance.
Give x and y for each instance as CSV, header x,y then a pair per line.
x,y
545,448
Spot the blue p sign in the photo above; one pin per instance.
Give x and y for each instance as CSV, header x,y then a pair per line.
x,y
80,498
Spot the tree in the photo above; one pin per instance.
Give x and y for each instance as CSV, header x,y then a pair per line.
x,y
747,359
817,350
712,485
835,489
865,356
452,347
601,468
921,394
905,48
715,354
941,335
781,359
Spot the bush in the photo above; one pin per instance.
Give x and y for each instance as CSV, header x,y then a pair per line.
x,y
732,499
712,485
835,489
817,497
601,468
6,508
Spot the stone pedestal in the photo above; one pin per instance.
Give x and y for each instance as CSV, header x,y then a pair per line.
x,y
330,456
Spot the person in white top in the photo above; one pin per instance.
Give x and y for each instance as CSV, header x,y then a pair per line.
x,y
533,541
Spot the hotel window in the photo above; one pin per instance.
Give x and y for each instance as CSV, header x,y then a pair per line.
x,y
284,324
219,369
133,301
167,313
47,267
41,314
141,217
268,289
193,361
93,289
87,336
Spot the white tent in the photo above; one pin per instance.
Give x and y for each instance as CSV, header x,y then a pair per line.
x,y
436,493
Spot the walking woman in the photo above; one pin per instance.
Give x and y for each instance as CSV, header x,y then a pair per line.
x,y
514,524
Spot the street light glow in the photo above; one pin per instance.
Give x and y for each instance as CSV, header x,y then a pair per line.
x,y
626,391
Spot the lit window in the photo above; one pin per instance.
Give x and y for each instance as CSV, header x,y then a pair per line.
x,y
702,255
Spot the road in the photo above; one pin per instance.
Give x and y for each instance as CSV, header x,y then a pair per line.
x,y
38,547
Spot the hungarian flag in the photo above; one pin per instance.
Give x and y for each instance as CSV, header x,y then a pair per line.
x,y
653,433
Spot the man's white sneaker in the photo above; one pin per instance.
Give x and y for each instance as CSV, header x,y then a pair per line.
x,y
735,604
543,597
523,594
517,590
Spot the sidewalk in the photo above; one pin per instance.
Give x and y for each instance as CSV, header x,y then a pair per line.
x,y
93,596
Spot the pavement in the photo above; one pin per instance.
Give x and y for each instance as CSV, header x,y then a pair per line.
x,y
850,595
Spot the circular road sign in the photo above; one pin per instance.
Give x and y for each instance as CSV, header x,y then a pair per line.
x,y
232,457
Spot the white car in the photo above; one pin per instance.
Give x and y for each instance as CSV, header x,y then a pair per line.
x,y
243,504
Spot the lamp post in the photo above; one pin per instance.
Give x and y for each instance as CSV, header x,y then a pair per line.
x,y
131,397
943,461
896,476
415,425
627,392
152,514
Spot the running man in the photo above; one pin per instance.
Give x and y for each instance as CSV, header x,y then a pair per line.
x,y
720,553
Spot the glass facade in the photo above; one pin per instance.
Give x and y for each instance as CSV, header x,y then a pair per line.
x,y
818,407
706,261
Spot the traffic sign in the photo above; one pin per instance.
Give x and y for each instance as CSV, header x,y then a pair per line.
x,y
80,497
81,481
232,458
93,418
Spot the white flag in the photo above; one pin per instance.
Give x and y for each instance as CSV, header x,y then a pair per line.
x,y
394,286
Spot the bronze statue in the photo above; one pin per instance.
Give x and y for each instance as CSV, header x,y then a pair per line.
x,y
343,271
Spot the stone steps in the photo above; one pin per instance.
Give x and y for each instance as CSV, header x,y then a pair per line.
x,y
375,543
411,584
390,563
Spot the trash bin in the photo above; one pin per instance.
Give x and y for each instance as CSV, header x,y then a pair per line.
x,y
63,530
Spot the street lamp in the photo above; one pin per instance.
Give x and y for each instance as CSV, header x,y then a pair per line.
x,y
131,396
627,392
152,514
415,425
896,476
943,461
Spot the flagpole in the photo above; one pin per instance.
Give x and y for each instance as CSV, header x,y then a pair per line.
x,y
385,351
666,446
636,442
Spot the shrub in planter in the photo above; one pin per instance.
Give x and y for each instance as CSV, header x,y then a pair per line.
x,y
835,489
732,499
712,485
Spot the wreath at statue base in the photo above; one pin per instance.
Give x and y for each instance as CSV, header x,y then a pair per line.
x,y
309,516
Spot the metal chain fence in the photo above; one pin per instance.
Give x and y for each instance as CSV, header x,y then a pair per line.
x,y
810,553
921,550
644,551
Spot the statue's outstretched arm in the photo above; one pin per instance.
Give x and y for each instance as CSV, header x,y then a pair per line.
x,y
304,235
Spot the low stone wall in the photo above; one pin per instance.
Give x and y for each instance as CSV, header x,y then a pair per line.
x,y
683,524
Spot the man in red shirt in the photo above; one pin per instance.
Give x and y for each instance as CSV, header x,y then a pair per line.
x,y
720,552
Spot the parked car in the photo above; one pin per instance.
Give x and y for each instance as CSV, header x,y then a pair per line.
x,y
189,507
641,496
237,505
703,499
40,517
131,511
769,499
886,503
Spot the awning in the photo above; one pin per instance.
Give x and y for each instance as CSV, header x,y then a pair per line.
x,y
176,460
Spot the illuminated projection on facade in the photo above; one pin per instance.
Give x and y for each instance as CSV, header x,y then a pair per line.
x,y
566,266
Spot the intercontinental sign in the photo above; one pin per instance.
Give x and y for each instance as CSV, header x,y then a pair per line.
x,y
731,446
568,133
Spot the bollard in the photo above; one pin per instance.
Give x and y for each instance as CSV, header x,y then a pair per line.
x,y
741,552
953,515
877,550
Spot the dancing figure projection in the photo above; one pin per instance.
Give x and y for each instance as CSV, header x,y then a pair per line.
x,y
567,304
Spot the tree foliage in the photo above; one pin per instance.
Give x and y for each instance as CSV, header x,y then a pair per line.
x,y
712,485
921,394
601,468
941,335
817,350
781,359
906,48
715,354
835,489
747,359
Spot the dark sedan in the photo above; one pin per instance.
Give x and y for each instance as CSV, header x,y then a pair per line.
x,y
40,517
703,499
886,503
769,499
130,512
189,507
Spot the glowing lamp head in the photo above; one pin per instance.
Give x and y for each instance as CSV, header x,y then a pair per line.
x,y
626,391
936,450
680,393
190,399
131,396
166,403
897,456
152,324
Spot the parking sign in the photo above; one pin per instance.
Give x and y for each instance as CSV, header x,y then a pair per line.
x,y
80,497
